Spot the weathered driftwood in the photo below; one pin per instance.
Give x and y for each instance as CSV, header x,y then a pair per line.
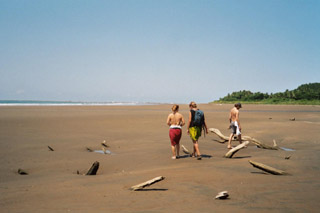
x,y
219,134
50,148
222,195
244,138
259,144
147,183
268,169
94,168
104,144
22,172
236,149
185,150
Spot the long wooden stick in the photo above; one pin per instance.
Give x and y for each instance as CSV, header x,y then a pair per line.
x,y
185,150
236,149
147,183
268,169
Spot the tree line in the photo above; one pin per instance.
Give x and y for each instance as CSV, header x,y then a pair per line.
x,y
304,93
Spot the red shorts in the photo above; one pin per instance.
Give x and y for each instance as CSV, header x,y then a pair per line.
x,y
175,135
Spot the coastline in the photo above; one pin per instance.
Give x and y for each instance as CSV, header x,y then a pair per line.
x,y
139,142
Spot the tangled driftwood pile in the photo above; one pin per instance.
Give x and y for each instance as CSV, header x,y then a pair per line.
x,y
246,140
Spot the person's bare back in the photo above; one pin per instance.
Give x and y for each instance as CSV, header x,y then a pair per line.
x,y
175,119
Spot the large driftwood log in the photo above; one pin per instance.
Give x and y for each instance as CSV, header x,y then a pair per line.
x,y
260,144
219,134
244,138
147,183
268,169
236,149
94,168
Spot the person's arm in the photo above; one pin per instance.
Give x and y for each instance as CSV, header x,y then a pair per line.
x,y
189,122
238,120
182,121
169,120
205,125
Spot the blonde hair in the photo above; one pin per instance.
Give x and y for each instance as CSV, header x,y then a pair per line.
x,y
193,104
175,107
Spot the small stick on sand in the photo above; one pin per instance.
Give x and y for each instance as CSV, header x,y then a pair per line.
x,y
50,148
236,149
104,144
268,169
22,172
147,183
185,150
94,168
89,150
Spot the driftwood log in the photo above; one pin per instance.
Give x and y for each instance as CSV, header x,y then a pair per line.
x,y
259,144
94,168
104,144
219,134
222,195
268,169
22,172
244,138
236,149
50,148
147,183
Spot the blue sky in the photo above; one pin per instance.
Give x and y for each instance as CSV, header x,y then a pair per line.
x,y
156,50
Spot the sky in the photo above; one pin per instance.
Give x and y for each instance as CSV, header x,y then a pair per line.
x,y
167,51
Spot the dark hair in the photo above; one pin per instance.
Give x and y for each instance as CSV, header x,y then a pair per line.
x,y
238,105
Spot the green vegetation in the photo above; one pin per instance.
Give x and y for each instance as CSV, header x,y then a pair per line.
x,y
306,94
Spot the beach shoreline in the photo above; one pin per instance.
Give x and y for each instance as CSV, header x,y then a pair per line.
x,y
138,139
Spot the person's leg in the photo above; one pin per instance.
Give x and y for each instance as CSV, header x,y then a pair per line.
x,y
240,140
196,148
178,150
230,139
173,151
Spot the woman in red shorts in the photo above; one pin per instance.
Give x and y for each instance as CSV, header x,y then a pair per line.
x,y
175,121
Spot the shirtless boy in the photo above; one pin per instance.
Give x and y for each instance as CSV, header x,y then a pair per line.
x,y
234,124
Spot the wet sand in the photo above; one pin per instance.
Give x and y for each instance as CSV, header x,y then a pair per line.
x,y
140,146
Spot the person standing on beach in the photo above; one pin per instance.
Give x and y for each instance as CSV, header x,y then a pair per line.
x,y
175,120
234,124
195,125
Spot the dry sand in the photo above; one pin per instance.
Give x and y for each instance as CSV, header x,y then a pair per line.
x,y
138,138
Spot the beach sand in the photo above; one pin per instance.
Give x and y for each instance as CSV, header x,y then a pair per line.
x,y
140,146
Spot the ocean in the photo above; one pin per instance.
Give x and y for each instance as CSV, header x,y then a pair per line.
x,y
69,103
